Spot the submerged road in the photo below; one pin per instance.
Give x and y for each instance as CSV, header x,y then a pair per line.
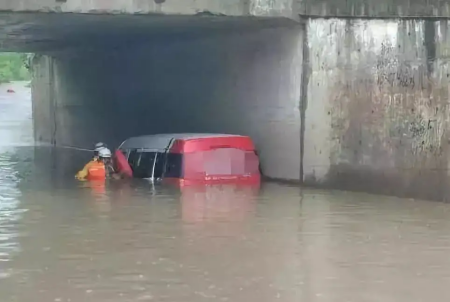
x,y
129,241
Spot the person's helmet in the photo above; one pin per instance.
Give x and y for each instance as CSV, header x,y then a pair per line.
x,y
104,153
99,145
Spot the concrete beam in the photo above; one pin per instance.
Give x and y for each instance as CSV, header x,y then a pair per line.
x,y
287,8
65,32
169,7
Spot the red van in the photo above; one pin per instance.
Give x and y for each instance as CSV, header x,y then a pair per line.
x,y
190,158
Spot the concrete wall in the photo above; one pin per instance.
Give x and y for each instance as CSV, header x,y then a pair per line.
x,y
245,83
372,8
377,114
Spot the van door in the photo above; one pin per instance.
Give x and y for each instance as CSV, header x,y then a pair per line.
x,y
147,164
143,168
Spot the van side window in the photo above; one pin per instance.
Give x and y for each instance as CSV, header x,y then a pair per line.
x,y
144,167
133,158
159,165
174,165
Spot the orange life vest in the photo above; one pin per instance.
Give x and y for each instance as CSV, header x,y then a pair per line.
x,y
96,171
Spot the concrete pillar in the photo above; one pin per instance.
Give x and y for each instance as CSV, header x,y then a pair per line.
x,y
43,93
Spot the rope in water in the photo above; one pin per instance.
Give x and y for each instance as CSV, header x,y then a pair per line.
x,y
66,147
75,148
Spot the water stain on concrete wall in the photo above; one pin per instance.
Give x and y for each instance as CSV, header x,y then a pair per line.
x,y
382,98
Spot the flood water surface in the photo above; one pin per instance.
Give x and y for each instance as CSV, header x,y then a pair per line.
x,y
61,240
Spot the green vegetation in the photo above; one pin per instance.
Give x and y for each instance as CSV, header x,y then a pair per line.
x,y
13,67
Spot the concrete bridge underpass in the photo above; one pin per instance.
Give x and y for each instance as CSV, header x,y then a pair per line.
x,y
343,94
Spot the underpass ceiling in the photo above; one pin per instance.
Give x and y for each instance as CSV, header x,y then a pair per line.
x,y
53,32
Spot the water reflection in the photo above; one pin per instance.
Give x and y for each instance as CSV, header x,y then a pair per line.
x,y
15,132
9,209
203,204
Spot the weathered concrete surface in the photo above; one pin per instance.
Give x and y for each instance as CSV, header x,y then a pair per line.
x,y
287,8
373,8
173,7
377,114
74,33
247,82
43,90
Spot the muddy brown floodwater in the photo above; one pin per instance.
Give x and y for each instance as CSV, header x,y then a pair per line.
x,y
131,241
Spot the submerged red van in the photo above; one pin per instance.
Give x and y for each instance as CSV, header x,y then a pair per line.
x,y
190,158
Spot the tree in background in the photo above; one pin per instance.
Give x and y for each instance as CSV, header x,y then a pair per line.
x,y
13,67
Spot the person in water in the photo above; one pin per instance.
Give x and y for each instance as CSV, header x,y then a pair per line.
x,y
111,171
97,148
96,169
107,160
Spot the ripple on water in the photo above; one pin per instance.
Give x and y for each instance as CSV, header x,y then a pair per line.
x,y
9,210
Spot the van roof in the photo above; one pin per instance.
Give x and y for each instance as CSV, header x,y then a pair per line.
x,y
162,141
